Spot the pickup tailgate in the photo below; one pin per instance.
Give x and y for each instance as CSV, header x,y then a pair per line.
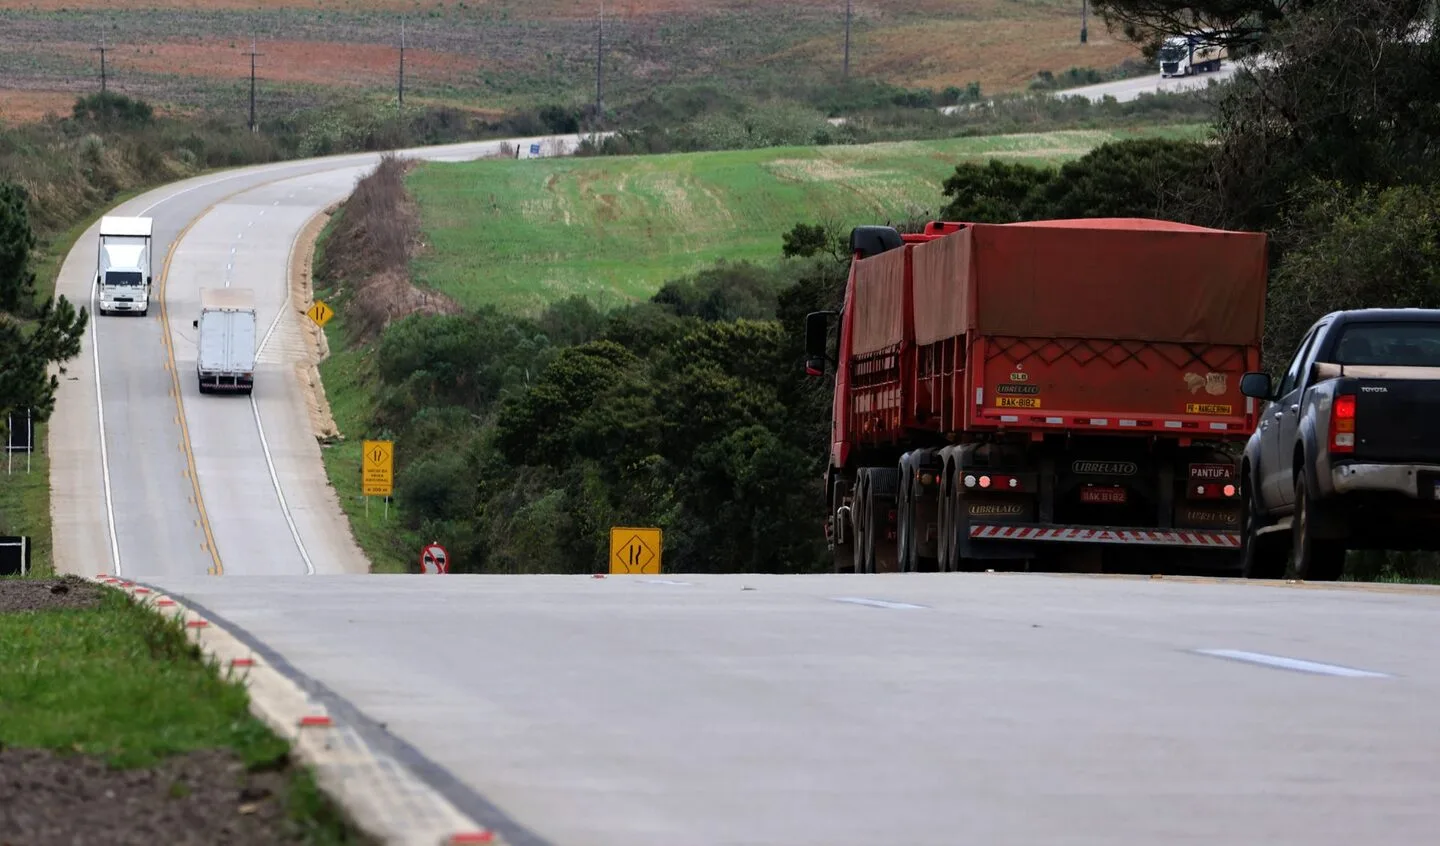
x,y
1395,419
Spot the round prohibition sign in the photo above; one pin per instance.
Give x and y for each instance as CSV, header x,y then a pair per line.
x,y
434,559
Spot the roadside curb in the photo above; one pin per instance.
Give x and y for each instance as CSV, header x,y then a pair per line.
x,y
380,795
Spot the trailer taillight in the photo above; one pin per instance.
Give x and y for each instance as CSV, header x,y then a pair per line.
x,y
1342,424
1214,491
987,482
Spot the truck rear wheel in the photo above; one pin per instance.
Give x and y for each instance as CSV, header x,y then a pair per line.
x,y
874,495
1261,556
1316,559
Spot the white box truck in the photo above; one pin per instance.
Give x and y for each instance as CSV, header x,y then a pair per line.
x,y
225,342
122,271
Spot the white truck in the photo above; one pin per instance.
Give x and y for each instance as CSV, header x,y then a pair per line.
x,y
225,341
122,271
1183,55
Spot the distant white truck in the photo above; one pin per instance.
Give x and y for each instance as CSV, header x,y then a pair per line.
x,y
1183,55
122,270
225,342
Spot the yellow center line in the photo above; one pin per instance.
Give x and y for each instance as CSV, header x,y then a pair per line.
x,y
218,569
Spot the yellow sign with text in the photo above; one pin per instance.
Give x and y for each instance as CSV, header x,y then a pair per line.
x,y
377,468
1017,402
1206,408
635,550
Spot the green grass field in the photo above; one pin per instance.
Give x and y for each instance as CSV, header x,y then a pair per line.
x,y
522,233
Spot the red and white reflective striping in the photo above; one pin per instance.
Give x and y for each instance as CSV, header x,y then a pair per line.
x,y
1078,534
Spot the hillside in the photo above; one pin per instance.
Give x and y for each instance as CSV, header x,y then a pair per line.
x,y
481,55
524,233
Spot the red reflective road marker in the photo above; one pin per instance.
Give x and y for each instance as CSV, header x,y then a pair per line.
x,y
473,837
317,721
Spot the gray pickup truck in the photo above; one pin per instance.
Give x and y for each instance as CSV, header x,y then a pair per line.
x,y
1347,452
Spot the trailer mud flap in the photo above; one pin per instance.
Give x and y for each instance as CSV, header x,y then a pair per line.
x,y
1105,535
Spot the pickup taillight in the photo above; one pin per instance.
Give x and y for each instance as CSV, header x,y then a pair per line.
x,y
1342,424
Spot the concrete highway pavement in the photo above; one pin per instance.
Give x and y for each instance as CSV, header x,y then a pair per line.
x,y
1126,90
147,476
912,709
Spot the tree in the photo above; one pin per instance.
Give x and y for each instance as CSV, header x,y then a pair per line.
x,y
994,192
1237,22
17,239
1340,102
1143,177
1379,248
28,350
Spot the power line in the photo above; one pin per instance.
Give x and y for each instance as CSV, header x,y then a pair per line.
x,y
600,66
253,55
849,15
401,90
102,50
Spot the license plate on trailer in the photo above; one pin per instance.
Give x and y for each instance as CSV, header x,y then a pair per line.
x,y
1103,496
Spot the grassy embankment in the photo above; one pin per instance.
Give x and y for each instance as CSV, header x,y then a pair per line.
x,y
94,675
522,234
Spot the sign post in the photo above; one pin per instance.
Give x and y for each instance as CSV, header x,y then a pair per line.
x,y
434,559
635,550
377,472
15,563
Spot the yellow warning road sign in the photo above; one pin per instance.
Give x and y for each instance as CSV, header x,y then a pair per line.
x,y
635,550
320,313
377,468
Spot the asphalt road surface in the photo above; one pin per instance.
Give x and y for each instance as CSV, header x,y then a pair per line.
x,y
903,709
148,476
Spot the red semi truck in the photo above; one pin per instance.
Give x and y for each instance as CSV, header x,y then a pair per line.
x,y
1059,394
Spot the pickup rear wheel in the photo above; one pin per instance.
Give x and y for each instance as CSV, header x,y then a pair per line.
x,y
1315,559
1261,556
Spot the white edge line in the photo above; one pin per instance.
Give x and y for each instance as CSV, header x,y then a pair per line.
x,y
1301,665
665,582
265,447
875,603
104,451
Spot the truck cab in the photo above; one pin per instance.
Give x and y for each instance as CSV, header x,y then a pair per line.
x,y
1184,55
122,272
1346,454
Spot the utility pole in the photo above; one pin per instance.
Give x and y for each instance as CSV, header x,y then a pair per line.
x,y
1084,21
102,49
401,94
252,54
849,14
600,67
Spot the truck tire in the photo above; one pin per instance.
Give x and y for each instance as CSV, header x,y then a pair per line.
x,y
907,554
875,489
1261,556
1315,559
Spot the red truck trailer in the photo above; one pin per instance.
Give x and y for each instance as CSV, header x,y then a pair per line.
x,y
1052,395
